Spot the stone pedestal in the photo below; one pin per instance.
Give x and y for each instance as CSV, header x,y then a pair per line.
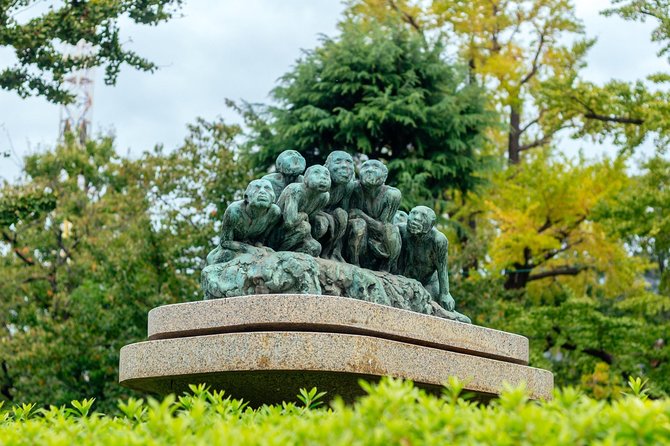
x,y
264,348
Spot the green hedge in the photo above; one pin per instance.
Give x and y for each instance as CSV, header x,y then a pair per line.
x,y
393,412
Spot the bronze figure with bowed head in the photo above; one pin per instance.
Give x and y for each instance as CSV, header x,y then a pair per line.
x,y
373,238
333,222
300,203
289,165
248,221
400,218
424,255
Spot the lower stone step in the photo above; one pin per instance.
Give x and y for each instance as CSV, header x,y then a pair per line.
x,y
269,367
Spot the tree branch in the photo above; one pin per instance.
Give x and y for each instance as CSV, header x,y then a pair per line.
x,y
547,224
537,143
600,354
534,68
408,18
617,119
37,279
555,252
16,250
61,245
560,271
533,122
592,114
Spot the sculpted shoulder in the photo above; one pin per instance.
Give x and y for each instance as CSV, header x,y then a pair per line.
x,y
402,228
274,211
393,193
273,177
290,193
292,189
234,209
440,239
356,191
279,178
325,198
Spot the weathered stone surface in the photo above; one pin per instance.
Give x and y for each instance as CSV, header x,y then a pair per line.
x,y
234,360
263,271
276,312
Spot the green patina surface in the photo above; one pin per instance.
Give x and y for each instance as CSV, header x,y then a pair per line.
x,y
329,233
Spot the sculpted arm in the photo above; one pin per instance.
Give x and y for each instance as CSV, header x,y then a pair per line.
x,y
323,201
442,248
373,224
274,215
230,219
290,206
346,200
393,197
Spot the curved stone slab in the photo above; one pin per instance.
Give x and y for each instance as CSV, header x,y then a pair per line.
x,y
303,312
234,361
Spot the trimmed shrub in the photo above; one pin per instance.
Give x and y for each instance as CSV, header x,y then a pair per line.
x,y
393,412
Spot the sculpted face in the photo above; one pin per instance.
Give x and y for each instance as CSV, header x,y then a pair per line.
x,y
317,177
290,162
400,218
341,167
260,193
420,220
373,173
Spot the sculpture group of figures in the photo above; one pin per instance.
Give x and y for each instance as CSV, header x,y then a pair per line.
x,y
322,231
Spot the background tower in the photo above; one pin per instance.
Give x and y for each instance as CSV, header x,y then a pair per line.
x,y
76,117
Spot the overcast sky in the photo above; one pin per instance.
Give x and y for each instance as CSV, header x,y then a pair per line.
x,y
237,49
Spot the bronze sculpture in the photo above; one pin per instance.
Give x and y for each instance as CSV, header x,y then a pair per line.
x,y
300,203
330,234
333,222
289,167
424,255
372,232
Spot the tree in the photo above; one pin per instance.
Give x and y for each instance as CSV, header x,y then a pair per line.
x,y
75,278
385,93
546,228
189,190
518,49
123,237
535,250
40,41
639,215
24,204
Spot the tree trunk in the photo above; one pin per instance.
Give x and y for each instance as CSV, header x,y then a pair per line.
x,y
6,383
518,277
514,144
465,240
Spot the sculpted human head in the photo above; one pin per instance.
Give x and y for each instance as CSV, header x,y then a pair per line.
x,y
341,167
317,177
400,218
259,193
373,173
290,163
421,220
